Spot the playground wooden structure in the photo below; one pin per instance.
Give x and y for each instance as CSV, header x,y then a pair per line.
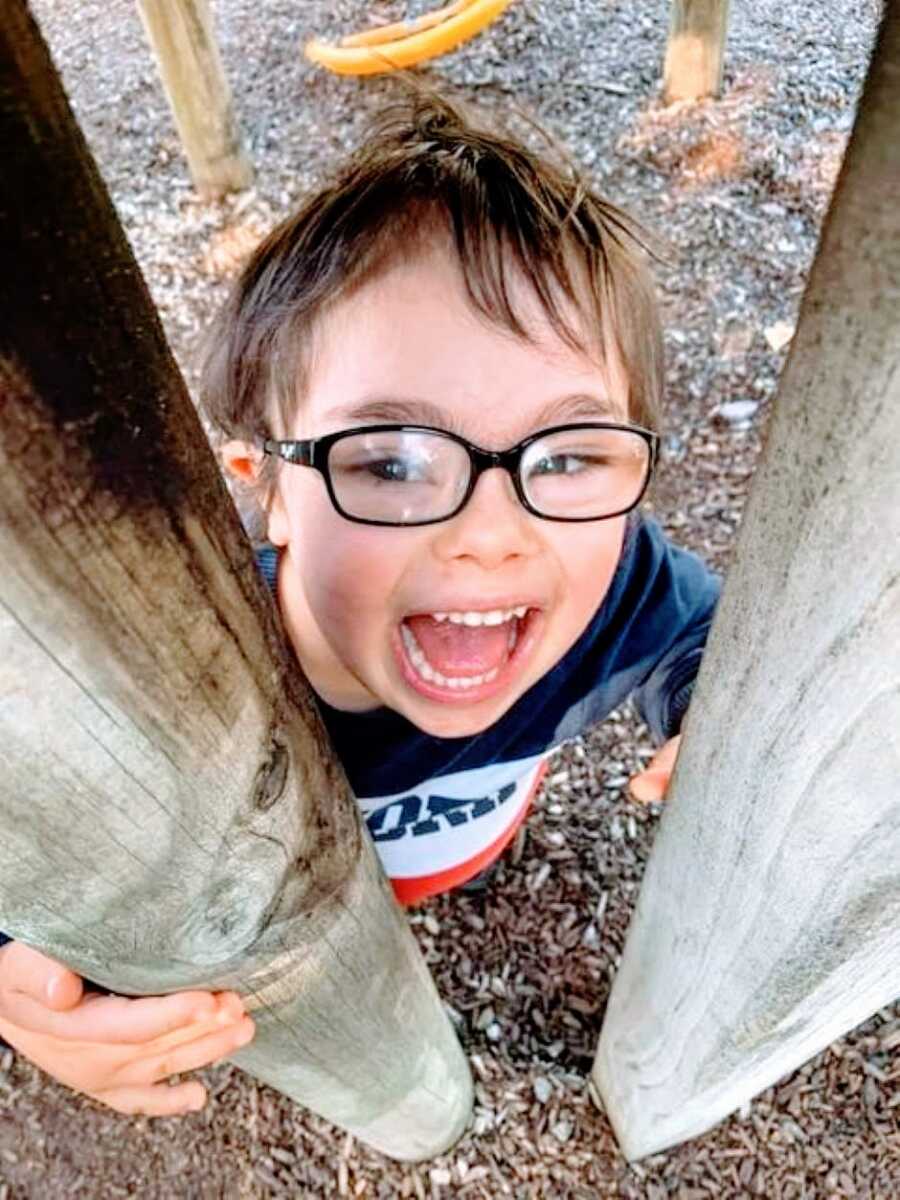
x,y
173,816
695,52
182,38
768,922
187,57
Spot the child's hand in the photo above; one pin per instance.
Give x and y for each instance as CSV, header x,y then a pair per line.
x,y
653,782
117,1050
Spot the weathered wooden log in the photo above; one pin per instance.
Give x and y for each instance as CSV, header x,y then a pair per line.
x,y
695,51
187,56
172,816
768,923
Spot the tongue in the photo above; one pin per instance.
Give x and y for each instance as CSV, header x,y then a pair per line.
x,y
461,649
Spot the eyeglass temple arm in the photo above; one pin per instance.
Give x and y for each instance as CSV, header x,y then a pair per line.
x,y
293,452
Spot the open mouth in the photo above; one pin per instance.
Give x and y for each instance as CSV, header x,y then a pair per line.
x,y
467,655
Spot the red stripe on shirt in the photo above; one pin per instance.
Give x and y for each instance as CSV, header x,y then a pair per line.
x,y
414,890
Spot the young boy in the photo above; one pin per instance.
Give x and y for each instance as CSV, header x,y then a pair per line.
x,y
441,382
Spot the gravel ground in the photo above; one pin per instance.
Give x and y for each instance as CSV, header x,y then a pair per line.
x,y
738,188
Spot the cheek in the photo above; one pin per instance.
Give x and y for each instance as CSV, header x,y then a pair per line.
x,y
351,572
591,558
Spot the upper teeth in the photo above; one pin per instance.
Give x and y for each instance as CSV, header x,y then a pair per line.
x,y
496,616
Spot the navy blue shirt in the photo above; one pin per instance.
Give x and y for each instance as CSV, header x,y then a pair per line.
x,y
440,809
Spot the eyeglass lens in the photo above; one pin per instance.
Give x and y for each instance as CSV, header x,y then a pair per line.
x,y
585,472
405,477
398,476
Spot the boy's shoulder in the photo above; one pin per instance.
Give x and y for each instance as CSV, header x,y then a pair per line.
x,y
660,594
655,574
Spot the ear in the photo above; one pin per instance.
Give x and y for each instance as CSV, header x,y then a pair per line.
x,y
242,460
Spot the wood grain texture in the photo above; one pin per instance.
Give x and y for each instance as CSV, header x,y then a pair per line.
x,y
187,56
695,51
768,923
172,814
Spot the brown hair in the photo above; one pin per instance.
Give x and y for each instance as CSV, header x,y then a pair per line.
x,y
426,168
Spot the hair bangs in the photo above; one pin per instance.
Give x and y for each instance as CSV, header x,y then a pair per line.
x,y
427,172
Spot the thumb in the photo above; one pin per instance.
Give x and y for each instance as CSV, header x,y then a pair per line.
x,y
652,784
40,977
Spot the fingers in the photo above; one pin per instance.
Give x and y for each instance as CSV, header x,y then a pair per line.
x,y
192,1055
652,784
104,1019
39,977
120,1019
162,1100
134,1081
102,1068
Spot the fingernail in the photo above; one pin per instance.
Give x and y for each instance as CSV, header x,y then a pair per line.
x,y
245,1035
52,987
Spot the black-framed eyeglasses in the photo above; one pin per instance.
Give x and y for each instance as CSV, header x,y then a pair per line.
x,y
414,475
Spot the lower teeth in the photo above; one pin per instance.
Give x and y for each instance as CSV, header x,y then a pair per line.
x,y
430,675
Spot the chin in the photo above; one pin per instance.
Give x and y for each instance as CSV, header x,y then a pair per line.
x,y
455,723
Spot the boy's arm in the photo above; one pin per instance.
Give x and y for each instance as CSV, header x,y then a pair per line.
x,y
684,596
663,698
688,594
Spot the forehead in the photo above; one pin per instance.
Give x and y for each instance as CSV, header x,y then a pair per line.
x,y
409,345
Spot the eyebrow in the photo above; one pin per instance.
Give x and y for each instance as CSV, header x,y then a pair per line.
x,y
578,406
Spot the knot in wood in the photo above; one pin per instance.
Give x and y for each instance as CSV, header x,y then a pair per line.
x,y
271,777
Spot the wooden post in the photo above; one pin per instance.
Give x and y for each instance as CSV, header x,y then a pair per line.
x,y
768,923
695,50
187,57
172,816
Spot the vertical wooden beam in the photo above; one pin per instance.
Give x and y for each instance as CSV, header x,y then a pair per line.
x,y
184,44
696,49
768,923
172,816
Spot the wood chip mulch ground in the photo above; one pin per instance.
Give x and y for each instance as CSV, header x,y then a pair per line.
x,y
738,187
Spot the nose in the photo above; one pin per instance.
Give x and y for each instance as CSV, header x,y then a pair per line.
x,y
492,529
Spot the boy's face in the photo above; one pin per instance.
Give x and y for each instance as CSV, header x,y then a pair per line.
x,y
408,347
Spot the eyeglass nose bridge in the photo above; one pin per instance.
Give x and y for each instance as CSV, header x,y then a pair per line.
x,y
486,460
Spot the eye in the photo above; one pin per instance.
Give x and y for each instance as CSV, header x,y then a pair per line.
x,y
391,470
568,464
